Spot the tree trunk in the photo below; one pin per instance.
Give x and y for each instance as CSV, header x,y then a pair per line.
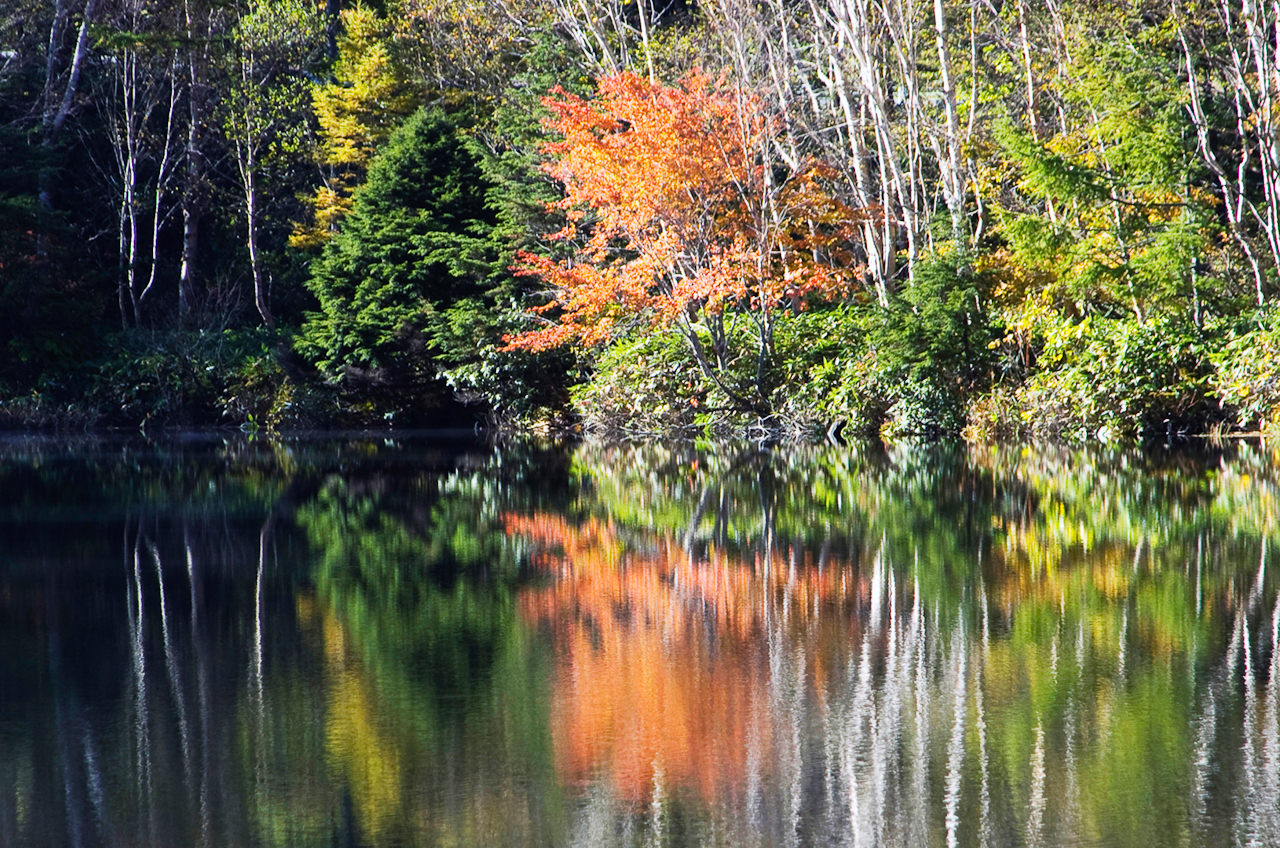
x,y
853,68
255,263
949,153
54,118
164,174
1258,23
193,189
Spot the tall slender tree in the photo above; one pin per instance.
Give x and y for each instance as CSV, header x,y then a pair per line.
x,y
274,44
142,117
356,112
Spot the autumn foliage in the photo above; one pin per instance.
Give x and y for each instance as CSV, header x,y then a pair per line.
x,y
682,211
645,694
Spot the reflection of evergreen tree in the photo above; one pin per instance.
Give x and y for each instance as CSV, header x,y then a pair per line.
x,y
437,684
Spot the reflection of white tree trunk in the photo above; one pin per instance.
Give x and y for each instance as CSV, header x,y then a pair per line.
x,y
141,708
62,719
793,738
1036,803
257,615
1247,829
984,765
202,695
955,750
1071,721
918,793
257,700
1253,818
1199,571
1121,660
172,668
1270,722
655,837
93,779
877,588
1203,767
1216,695
853,738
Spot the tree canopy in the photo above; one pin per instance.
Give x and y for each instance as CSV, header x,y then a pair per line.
x,y
684,218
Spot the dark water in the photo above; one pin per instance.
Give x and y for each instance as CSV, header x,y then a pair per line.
x,y
426,641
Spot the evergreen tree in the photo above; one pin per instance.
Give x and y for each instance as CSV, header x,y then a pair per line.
x,y
415,244
513,384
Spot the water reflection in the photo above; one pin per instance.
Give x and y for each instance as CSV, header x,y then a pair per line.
x,y
426,643
982,670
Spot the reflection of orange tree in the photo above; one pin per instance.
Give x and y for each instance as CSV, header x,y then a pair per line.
x,y
663,674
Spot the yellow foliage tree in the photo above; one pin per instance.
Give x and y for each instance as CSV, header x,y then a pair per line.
x,y
356,110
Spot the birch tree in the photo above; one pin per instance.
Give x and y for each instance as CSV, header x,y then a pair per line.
x,y
273,44
1232,70
141,112
202,22
59,94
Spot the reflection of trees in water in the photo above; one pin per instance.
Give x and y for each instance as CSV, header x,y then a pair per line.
x,y
387,700
998,674
182,704
434,693
143,741
757,648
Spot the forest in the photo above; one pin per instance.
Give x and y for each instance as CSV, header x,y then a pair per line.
x,y
999,219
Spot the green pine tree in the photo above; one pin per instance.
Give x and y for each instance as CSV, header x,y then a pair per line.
x,y
415,244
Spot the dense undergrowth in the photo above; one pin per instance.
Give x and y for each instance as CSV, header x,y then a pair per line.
x,y
863,371
939,363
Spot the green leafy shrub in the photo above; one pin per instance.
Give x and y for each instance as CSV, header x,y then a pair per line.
x,y
830,375
1246,376
1118,378
519,388
180,377
820,373
995,416
644,384
38,411
856,366
933,349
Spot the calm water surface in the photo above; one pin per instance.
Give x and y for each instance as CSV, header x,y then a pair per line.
x,y
436,642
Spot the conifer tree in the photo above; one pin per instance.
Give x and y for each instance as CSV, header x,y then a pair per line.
x,y
416,242
356,111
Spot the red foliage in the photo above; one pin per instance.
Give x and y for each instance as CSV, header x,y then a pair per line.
x,y
683,208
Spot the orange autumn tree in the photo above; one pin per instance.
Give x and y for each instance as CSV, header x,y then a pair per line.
x,y
686,218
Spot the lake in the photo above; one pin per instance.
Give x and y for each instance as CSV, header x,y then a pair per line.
x,y
437,641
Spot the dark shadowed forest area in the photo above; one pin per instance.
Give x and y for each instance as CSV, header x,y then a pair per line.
x,y
997,218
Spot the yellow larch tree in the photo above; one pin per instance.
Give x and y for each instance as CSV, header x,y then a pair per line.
x,y
356,110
